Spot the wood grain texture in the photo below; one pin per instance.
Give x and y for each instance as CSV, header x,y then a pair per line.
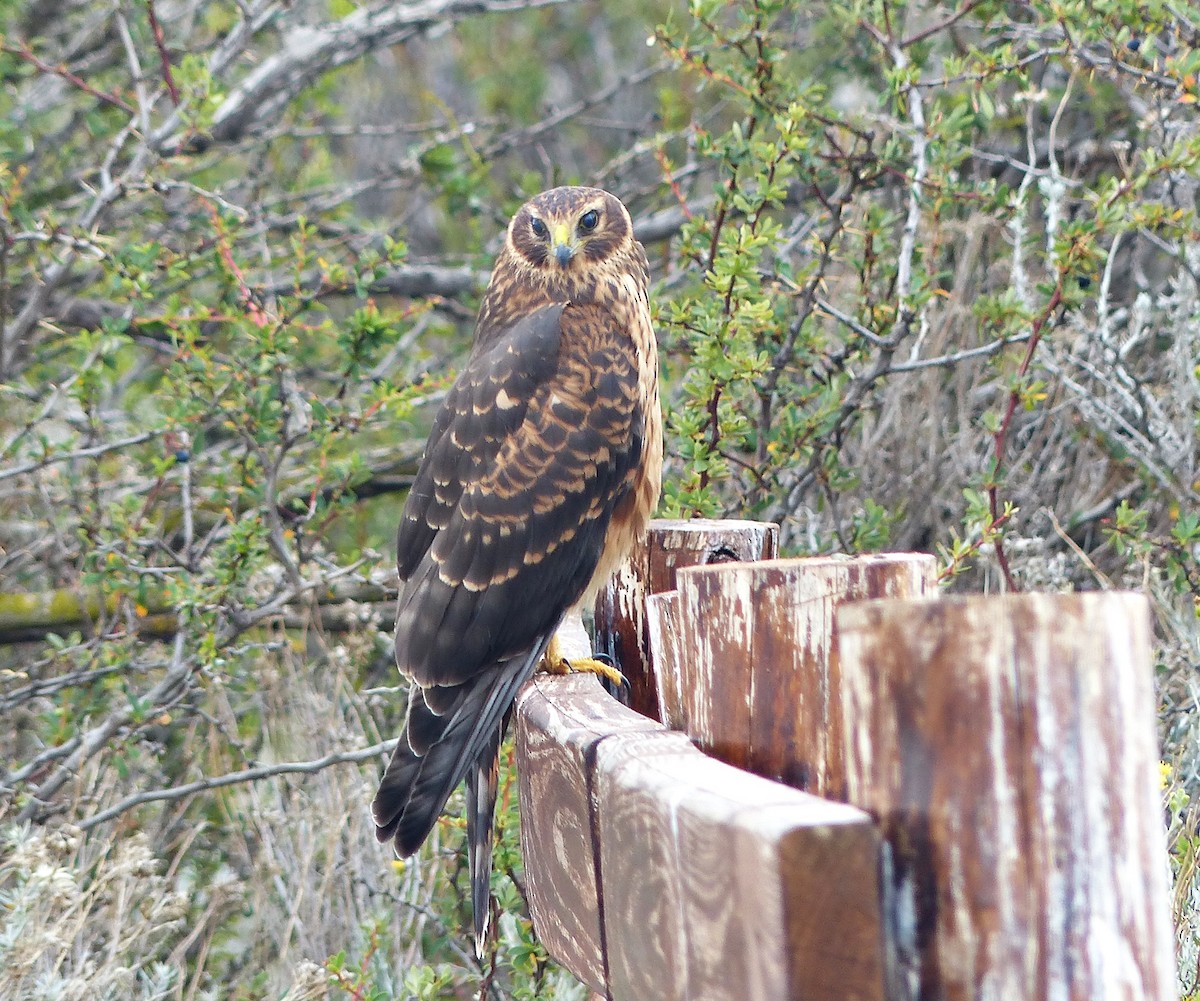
x,y
663,644
621,628
559,723
757,676
1007,747
831,916
722,886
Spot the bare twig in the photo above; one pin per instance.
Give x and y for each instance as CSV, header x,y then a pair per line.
x,y
24,52
160,43
307,51
135,72
957,357
1000,437
1053,187
90,452
235,778
88,743
942,25
1097,573
847,320
912,221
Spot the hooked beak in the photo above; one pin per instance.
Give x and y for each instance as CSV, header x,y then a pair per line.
x,y
561,244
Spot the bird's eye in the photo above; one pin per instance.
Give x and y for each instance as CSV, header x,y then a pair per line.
x,y
588,221
538,227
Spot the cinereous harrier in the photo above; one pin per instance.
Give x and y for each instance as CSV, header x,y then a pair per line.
x,y
541,471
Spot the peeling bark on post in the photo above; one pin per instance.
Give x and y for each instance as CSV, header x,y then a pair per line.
x,y
1007,746
757,681
650,569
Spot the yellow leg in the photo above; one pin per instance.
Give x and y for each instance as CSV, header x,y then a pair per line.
x,y
553,662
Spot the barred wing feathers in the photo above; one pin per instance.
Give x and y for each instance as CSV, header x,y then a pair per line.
x,y
534,446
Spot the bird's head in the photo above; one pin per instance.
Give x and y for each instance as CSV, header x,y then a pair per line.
x,y
561,234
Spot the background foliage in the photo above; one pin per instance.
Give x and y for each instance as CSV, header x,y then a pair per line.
x,y
926,278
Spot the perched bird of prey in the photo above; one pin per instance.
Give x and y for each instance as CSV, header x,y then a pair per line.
x,y
540,473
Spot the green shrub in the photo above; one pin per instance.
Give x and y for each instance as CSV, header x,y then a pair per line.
x,y
925,278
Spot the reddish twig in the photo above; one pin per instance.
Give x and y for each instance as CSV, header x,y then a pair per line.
x,y
942,25
245,294
160,43
660,154
23,51
1000,438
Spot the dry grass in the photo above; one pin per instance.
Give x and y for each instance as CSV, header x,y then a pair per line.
x,y
250,888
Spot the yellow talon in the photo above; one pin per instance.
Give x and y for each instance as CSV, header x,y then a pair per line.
x,y
553,662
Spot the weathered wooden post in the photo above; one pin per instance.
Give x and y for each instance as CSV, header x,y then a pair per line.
x,y
560,724
621,622
755,665
657,872
1007,747
722,886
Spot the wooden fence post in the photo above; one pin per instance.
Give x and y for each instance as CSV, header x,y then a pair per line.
x,y
657,873
755,671
654,871
664,643
560,723
1007,747
621,626
722,886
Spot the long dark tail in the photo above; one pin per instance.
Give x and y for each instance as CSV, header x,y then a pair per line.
x,y
449,733
483,780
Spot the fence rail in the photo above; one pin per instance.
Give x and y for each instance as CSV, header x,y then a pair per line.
x,y
899,796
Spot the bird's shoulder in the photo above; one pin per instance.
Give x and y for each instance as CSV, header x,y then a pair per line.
x,y
483,406
559,359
